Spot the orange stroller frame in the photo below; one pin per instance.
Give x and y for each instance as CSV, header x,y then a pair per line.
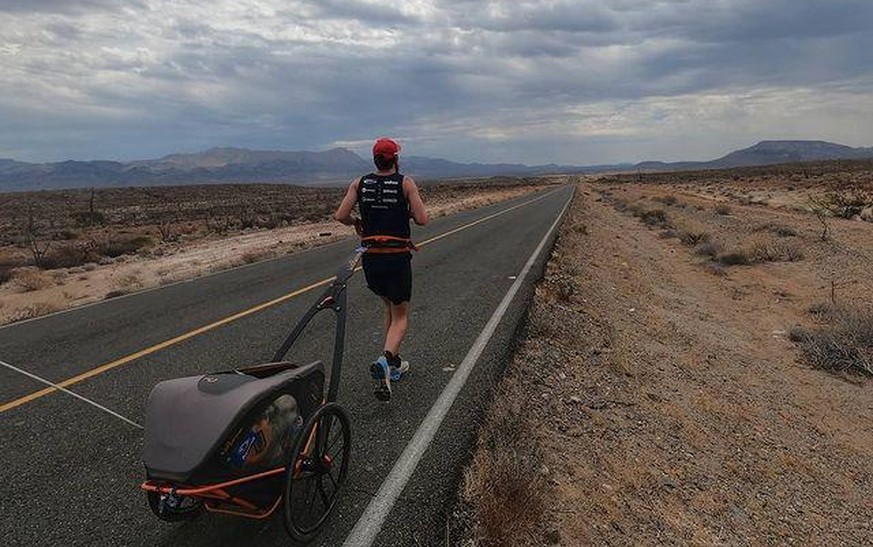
x,y
306,488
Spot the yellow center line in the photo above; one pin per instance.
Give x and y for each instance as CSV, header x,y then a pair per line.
x,y
211,326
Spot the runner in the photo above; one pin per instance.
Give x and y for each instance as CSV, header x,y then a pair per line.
x,y
386,200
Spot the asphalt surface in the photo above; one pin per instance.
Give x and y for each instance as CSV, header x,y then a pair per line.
x,y
71,473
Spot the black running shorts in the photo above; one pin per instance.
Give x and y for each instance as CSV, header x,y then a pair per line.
x,y
389,275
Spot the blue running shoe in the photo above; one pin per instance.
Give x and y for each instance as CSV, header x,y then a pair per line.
x,y
381,373
398,372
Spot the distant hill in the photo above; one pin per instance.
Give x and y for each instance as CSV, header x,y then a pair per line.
x,y
238,165
339,165
767,153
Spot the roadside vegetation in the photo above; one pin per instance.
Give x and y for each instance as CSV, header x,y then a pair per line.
x,y
63,248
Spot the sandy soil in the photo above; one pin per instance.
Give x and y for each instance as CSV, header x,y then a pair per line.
x,y
33,292
667,402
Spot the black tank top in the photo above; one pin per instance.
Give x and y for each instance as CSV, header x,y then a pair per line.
x,y
384,208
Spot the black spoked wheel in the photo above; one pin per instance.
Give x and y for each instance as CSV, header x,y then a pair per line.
x,y
316,472
174,508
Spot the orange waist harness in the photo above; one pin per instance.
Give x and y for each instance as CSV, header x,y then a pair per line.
x,y
388,244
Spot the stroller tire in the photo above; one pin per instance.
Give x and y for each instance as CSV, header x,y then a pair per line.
x,y
316,471
174,514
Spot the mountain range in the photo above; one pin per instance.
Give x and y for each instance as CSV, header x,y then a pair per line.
x,y
339,165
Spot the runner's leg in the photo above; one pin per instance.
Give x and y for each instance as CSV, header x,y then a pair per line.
x,y
397,329
387,315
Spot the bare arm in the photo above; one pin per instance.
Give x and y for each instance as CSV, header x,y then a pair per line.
x,y
344,213
416,206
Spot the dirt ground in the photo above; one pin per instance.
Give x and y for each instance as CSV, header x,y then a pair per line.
x,y
664,400
32,292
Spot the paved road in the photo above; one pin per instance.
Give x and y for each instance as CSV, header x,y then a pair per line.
x,y
70,473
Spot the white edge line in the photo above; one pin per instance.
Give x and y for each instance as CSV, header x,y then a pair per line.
x,y
200,277
370,522
68,392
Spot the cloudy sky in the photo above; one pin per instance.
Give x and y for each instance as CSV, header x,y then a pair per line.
x,y
580,82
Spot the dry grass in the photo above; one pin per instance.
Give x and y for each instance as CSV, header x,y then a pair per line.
x,y
129,283
843,345
708,248
505,483
779,229
36,309
654,217
251,257
775,251
30,279
734,258
5,274
693,237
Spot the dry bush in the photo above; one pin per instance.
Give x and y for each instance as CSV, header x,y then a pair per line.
x,y
734,258
669,199
251,257
37,309
30,279
779,229
504,484
558,288
847,202
722,209
693,237
620,204
844,345
653,217
823,311
69,256
708,248
775,251
129,283
113,248
5,273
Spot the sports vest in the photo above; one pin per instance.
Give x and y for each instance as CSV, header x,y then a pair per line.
x,y
384,208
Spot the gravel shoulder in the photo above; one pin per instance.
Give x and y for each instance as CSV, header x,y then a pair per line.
x,y
662,399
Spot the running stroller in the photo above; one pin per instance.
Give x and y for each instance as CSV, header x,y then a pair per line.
x,y
248,441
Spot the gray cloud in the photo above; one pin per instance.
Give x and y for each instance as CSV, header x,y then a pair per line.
x,y
65,6
580,81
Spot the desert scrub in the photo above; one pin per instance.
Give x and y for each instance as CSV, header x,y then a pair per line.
x,y
30,279
114,248
708,248
735,258
653,217
5,274
775,251
779,229
844,344
505,484
37,309
722,209
558,288
693,237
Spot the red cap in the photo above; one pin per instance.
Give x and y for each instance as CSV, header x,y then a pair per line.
x,y
386,148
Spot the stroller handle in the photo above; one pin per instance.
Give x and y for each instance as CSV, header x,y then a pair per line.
x,y
333,298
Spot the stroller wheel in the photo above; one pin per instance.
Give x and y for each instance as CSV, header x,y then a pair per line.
x,y
317,470
173,508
